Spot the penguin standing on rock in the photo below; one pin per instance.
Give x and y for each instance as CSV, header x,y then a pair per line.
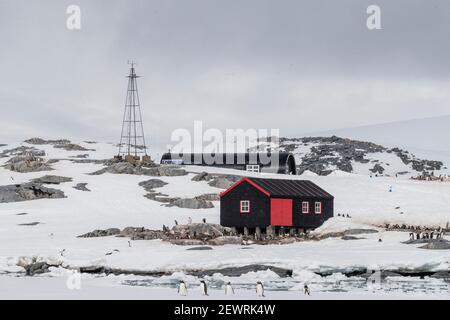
x,y
229,289
260,289
204,288
182,289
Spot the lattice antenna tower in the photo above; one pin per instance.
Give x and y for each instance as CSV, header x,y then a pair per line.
x,y
132,139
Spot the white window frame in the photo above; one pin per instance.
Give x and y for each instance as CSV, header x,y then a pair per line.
x,y
244,206
305,207
318,207
253,168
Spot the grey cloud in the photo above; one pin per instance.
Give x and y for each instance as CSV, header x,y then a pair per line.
x,y
299,66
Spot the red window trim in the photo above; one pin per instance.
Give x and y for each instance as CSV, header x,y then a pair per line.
x,y
321,207
240,207
308,211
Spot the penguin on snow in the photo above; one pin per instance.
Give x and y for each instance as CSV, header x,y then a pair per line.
x,y
259,289
204,287
182,289
229,289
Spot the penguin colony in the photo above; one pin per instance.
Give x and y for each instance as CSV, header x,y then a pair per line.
x,y
229,291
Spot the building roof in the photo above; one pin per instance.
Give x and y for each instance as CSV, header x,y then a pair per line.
x,y
264,158
284,188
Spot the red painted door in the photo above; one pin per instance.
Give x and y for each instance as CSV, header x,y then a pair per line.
x,y
281,212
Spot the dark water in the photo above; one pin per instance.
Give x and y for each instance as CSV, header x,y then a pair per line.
x,y
351,284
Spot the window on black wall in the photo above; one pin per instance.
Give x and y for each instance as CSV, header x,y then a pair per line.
x,y
305,207
318,207
244,206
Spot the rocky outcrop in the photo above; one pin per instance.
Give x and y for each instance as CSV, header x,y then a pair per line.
x,y
240,270
202,176
209,197
80,156
437,245
129,168
51,179
191,203
142,234
28,166
377,168
200,248
40,141
222,181
28,191
22,151
222,240
72,147
151,184
186,242
201,230
419,165
29,224
327,154
101,233
81,186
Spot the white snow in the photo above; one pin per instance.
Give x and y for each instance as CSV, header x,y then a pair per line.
x,y
118,201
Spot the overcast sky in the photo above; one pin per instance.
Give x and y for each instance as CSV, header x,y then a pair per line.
x,y
300,66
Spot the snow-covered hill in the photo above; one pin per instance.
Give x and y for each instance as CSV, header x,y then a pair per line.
x,y
47,227
426,137
323,155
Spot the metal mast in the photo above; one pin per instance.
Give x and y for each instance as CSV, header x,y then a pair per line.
x,y
132,139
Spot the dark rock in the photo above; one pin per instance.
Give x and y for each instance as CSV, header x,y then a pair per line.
x,y
202,176
350,238
80,156
220,241
199,248
129,168
151,184
40,141
377,168
201,230
209,197
27,191
37,268
81,186
22,151
359,231
29,224
191,203
51,179
140,233
101,233
238,271
186,242
436,245
71,147
221,182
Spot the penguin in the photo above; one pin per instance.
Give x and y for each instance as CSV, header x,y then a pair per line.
x,y
182,289
204,288
306,289
260,289
229,289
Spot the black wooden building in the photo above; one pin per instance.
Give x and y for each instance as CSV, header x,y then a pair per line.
x,y
280,162
258,202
